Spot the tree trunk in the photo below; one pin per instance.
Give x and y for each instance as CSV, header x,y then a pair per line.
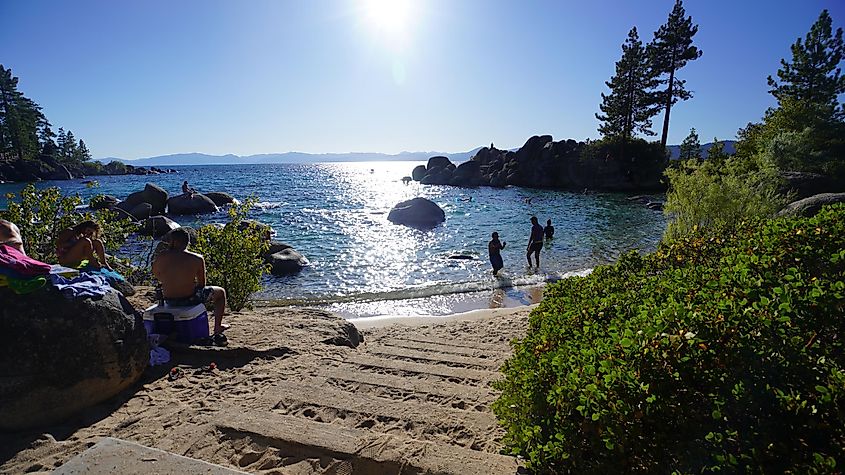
x,y
669,93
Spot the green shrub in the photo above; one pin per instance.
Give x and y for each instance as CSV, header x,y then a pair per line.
x,y
42,214
720,192
721,351
233,257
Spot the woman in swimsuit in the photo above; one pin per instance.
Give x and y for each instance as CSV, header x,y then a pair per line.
x,y
79,243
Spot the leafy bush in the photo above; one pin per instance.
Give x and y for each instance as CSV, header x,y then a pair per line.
x,y
233,256
722,350
42,214
720,191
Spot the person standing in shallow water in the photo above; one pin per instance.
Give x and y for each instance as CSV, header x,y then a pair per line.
x,y
535,242
549,230
494,247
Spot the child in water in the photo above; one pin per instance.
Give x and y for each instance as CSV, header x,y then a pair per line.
x,y
494,247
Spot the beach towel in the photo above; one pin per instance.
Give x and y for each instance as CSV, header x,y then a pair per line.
x,y
86,285
18,262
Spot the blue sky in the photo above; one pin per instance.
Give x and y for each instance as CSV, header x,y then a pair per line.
x,y
137,79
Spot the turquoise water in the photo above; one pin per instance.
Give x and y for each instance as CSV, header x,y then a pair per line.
x,y
336,215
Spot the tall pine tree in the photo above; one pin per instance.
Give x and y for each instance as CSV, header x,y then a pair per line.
x,y
814,75
670,51
19,119
629,107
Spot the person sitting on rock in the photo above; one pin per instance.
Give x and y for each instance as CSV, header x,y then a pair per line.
x,y
182,277
81,243
186,189
11,235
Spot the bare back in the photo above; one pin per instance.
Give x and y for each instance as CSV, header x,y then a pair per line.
x,y
180,272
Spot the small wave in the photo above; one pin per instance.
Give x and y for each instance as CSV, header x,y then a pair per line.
x,y
503,282
269,204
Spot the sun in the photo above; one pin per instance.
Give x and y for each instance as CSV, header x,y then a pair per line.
x,y
388,15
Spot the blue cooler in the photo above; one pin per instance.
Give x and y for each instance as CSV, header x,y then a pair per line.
x,y
188,323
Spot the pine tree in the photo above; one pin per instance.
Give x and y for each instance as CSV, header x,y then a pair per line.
x,y
629,107
814,74
670,51
68,149
82,152
691,147
19,119
46,139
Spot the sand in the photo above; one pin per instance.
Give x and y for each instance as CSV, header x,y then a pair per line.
x,y
413,398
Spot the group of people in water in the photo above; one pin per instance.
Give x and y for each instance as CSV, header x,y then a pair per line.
x,y
535,245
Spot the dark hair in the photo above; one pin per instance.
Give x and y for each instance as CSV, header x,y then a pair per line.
x,y
81,227
179,239
495,236
534,219
549,222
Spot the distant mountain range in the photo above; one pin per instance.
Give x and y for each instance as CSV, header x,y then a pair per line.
x,y
675,150
288,157
301,157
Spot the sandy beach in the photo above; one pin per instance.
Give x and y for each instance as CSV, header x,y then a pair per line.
x,y
413,397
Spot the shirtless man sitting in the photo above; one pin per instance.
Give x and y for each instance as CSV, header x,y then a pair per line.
x,y
182,276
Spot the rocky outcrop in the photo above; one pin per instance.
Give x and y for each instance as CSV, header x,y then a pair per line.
x,y
60,172
417,213
264,230
284,259
803,184
157,226
152,194
221,199
61,356
187,203
810,206
543,163
141,211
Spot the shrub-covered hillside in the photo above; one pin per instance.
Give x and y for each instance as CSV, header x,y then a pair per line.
x,y
723,349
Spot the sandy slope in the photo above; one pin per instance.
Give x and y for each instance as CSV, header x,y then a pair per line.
x,y
411,399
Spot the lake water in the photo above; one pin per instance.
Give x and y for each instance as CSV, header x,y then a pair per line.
x,y
362,265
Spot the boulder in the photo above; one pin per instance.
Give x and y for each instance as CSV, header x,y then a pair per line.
x,y
437,176
156,196
533,148
61,356
103,202
219,198
275,246
141,211
264,229
119,214
467,174
417,213
810,206
192,234
285,262
187,203
438,162
157,226
418,173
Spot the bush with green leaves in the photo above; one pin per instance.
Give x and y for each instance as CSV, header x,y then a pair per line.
x,y
720,191
721,351
42,214
233,255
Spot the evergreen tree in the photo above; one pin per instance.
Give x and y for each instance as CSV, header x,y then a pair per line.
x,y
68,150
82,152
691,147
670,51
61,144
19,119
814,73
629,107
46,140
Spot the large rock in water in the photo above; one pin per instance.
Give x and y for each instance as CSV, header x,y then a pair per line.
x,y
60,356
417,213
187,203
152,194
219,198
812,205
157,226
284,259
418,173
